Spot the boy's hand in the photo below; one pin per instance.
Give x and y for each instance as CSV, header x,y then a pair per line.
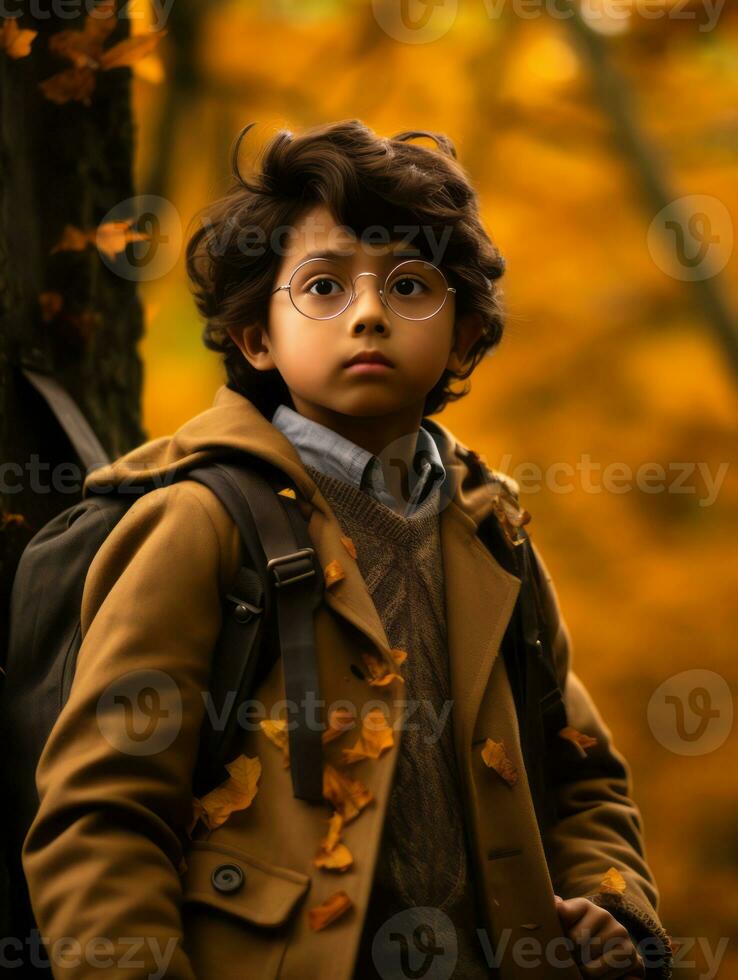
x,y
603,946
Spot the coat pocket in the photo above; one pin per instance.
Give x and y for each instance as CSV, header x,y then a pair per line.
x,y
236,912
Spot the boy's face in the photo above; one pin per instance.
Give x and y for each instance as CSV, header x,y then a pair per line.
x,y
311,354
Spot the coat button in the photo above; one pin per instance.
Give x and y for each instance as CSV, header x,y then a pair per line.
x,y
227,878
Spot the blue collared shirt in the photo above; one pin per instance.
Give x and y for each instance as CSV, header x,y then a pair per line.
x,y
336,456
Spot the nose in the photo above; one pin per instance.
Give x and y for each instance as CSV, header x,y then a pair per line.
x,y
367,312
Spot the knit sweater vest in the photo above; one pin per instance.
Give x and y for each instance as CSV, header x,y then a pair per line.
x,y
424,874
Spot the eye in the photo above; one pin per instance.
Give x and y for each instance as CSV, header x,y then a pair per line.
x,y
406,284
324,284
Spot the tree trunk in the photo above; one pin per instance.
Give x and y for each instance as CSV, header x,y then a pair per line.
x,y
67,316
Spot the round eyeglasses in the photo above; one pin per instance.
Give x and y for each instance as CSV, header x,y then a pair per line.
x,y
322,288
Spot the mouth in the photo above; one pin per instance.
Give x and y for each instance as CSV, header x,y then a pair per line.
x,y
368,361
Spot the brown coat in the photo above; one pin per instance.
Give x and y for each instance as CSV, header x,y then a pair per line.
x,y
104,853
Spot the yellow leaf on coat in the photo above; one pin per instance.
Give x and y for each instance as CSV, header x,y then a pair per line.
x,y
348,796
288,492
349,545
376,736
399,656
328,911
613,882
332,854
578,739
236,793
333,573
495,756
379,671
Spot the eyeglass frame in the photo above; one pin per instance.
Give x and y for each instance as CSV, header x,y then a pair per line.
x,y
449,289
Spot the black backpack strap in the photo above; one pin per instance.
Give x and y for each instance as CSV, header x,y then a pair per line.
x,y
275,521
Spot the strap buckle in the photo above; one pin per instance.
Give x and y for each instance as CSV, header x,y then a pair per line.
x,y
304,556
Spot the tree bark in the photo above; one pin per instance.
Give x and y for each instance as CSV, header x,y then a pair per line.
x,y
59,165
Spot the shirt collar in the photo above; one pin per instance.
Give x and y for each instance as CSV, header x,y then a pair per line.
x,y
339,457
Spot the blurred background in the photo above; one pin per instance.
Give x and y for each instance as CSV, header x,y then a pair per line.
x,y
603,141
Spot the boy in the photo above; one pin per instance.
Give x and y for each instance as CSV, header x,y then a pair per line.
x,y
348,285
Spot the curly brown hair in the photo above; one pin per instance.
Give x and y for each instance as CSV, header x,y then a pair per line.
x,y
366,181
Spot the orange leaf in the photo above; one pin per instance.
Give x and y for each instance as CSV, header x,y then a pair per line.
x,y
14,41
126,53
332,855
328,911
288,492
495,756
578,739
50,303
399,656
340,720
72,240
376,736
84,48
112,237
613,882
348,796
236,793
333,573
76,84
349,545
17,520
379,671
339,859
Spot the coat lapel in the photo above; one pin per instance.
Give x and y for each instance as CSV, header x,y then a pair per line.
x,y
480,598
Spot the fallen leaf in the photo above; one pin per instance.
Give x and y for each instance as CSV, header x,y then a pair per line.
x,y
73,84
17,520
333,573
236,793
578,739
319,916
72,240
379,671
112,237
50,304
376,736
340,720
15,41
348,796
349,545
399,656
332,855
288,492
495,756
126,53
613,882
85,47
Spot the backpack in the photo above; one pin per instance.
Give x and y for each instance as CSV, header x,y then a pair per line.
x,y
267,613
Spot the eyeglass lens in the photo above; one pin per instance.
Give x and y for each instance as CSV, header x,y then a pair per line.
x,y
322,288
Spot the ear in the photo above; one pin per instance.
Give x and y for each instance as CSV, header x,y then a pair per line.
x,y
468,329
253,342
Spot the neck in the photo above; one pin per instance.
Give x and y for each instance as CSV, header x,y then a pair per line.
x,y
373,433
